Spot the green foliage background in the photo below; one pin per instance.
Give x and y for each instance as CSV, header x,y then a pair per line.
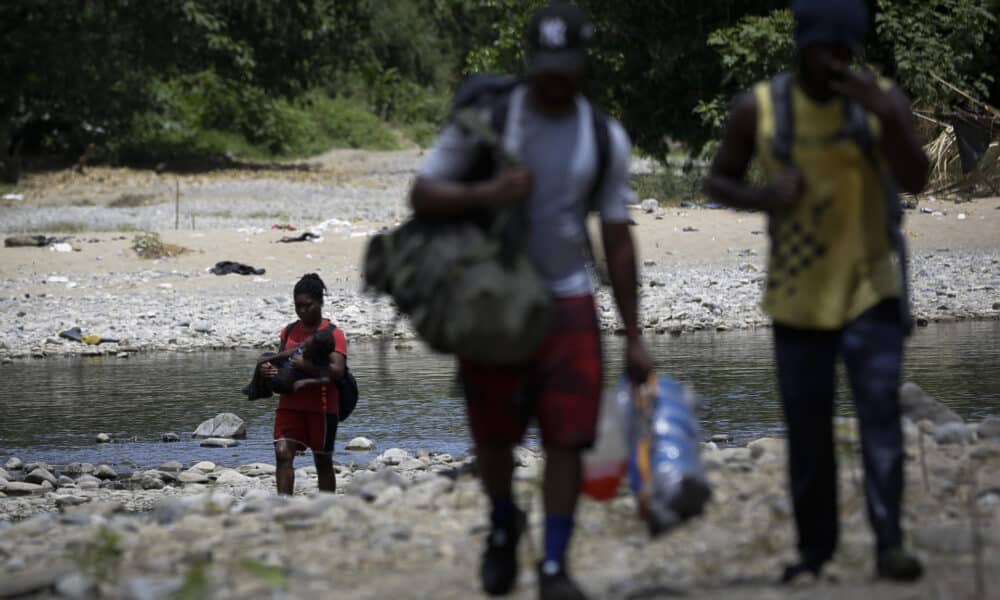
x,y
159,79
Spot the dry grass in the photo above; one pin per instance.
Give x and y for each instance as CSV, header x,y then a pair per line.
x,y
149,245
132,201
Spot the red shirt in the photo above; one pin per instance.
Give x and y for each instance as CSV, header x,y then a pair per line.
x,y
313,398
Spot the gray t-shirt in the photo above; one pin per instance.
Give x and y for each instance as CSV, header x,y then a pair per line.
x,y
561,153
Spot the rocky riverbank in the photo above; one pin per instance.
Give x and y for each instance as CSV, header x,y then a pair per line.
x,y
701,269
161,309
411,526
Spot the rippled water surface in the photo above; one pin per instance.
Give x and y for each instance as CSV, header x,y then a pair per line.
x,y
51,410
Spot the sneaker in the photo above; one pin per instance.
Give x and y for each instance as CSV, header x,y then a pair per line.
x,y
897,565
499,569
555,584
799,571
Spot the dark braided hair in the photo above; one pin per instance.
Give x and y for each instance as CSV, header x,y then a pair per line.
x,y
311,285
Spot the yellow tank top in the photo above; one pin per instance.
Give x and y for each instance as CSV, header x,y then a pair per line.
x,y
830,257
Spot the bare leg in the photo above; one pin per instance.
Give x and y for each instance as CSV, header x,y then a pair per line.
x,y
284,458
496,468
324,471
563,478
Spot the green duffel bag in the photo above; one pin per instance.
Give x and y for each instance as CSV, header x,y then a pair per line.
x,y
467,290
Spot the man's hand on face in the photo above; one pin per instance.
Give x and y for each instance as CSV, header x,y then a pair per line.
x,y
861,86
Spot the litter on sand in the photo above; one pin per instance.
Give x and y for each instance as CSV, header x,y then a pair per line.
x,y
226,267
91,339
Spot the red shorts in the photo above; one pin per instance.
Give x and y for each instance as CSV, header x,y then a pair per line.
x,y
313,430
561,386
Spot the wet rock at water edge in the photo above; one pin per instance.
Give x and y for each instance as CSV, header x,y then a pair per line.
x,y
169,437
219,443
193,476
221,426
361,444
257,470
103,438
917,404
171,467
233,477
40,475
394,456
19,488
989,428
70,500
77,469
953,433
105,472
13,464
205,466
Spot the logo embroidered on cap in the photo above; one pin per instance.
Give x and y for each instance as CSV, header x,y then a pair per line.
x,y
552,32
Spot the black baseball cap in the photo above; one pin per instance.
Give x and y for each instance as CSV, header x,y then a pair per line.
x,y
558,37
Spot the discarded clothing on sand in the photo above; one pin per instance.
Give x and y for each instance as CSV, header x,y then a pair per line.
x,y
90,339
305,237
39,241
226,267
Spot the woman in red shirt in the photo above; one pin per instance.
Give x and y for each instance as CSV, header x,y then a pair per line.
x,y
307,417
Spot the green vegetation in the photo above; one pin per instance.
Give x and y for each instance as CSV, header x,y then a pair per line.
x,y
100,556
273,79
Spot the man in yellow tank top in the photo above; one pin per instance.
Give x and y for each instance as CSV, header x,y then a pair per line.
x,y
836,282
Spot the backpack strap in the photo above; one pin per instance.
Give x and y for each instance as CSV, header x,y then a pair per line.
x,y
284,335
784,118
602,139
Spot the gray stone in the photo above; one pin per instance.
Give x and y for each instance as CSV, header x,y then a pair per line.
x,y
719,438
222,425
387,496
202,326
953,433
951,539
4,474
192,476
31,580
29,467
649,205
76,586
19,488
169,437
145,588
394,456
766,446
233,477
525,458
368,484
169,510
989,428
150,482
257,469
734,455
103,438
40,475
412,464
105,472
70,500
77,469
64,481
917,404
88,482
171,467
219,443
205,466
426,493
361,444
13,464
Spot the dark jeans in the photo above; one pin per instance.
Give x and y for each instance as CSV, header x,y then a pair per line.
x,y
872,350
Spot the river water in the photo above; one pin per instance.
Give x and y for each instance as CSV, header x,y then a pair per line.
x,y
51,410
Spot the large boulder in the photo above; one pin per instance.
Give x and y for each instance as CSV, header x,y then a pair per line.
x,y
223,425
917,404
